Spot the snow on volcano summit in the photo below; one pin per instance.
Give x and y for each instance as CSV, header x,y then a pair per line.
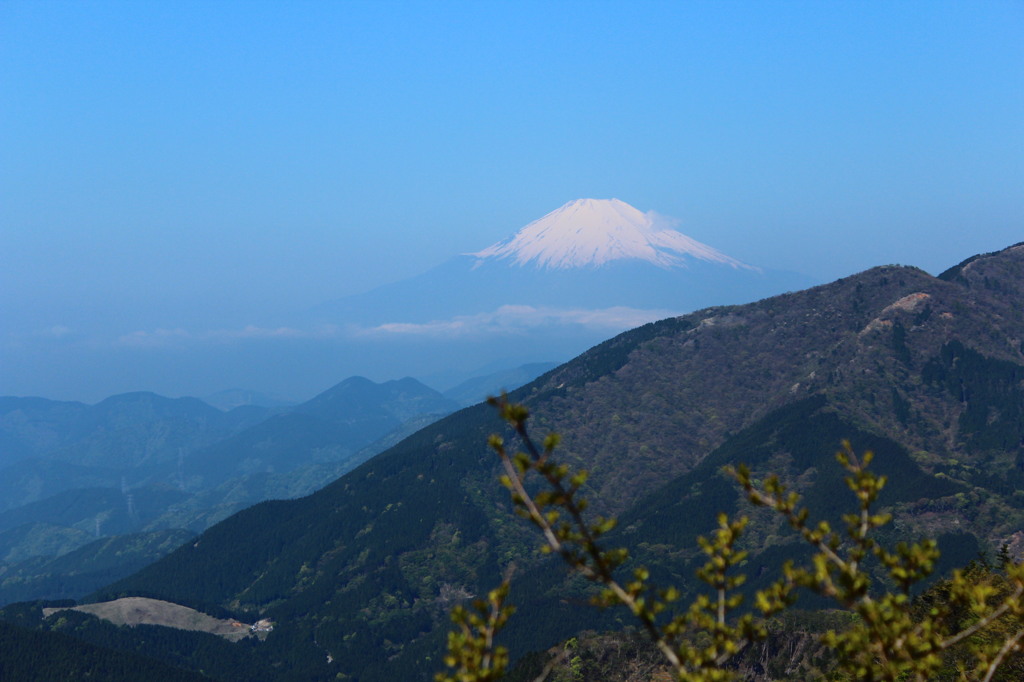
x,y
593,232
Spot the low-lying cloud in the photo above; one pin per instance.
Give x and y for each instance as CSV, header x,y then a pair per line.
x,y
507,320
171,337
517,319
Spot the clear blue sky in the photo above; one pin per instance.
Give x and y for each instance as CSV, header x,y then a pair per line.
x,y
189,164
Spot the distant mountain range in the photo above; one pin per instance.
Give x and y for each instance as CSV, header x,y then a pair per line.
x,y
927,372
73,474
231,398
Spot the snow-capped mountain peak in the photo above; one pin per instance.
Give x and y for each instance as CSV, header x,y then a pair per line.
x,y
594,232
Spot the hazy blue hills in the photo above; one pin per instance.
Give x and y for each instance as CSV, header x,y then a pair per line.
x,y
87,568
123,436
198,464
33,479
232,398
473,391
358,399
142,439
124,511
926,371
38,538
334,426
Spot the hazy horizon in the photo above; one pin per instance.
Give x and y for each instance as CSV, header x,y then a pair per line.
x,y
208,171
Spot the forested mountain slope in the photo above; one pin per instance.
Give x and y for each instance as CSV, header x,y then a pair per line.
x,y
926,371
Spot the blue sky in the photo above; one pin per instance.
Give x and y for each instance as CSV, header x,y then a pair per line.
x,y
204,164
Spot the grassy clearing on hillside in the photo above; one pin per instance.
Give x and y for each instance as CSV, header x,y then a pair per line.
x,y
142,611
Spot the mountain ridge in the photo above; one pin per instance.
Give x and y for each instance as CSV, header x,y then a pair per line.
x,y
920,369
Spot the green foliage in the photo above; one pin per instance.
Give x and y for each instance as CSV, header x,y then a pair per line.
x,y
887,642
471,648
696,641
978,620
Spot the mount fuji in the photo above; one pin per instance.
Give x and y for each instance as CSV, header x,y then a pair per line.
x,y
595,263
595,232
571,279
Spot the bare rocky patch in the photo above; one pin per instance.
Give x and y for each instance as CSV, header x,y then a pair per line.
x,y
134,611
